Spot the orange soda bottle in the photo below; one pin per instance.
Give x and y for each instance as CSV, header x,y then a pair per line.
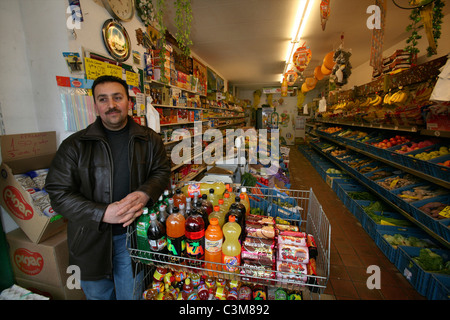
x,y
176,244
231,248
213,246
245,200
179,198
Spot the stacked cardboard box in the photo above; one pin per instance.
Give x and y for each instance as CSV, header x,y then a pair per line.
x,y
38,248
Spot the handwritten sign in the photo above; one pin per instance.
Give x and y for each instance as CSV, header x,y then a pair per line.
x,y
94,68
132,78
20,146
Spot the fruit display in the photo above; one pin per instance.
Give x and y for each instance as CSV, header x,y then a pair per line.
x,y
445,163
391,142
409,241
332,130
415,145
425,156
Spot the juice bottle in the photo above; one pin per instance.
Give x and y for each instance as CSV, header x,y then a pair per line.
x,y
179,198
245,200
230,191
157,235
219,187
227,201
237,209
217,213
213,198
202,211
231,248
206,204
182,210
213,246
176,245
142,225
195,237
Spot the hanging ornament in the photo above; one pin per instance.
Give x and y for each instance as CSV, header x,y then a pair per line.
x,y
284,88
325,11
301,58
291,76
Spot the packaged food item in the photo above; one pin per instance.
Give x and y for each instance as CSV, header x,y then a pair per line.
x,y
255,270
25,181
292,253
285,227
245,293
264,255
291,271
38,177
257,219
41,199
291,240
312,248
280,294
259,231
259,243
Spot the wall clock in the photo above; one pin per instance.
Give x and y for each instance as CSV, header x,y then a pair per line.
x,y
120,9
116,40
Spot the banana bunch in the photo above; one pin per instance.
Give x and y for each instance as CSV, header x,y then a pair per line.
x,y
423,93
398,97
372,102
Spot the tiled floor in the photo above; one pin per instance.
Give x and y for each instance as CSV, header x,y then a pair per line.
x,y
352,250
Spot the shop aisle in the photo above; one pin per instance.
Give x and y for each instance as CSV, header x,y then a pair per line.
x,y
352,249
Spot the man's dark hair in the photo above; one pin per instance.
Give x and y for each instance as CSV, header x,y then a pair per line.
x,y
104,79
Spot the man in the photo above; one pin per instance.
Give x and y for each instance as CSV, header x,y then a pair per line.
x,y
100,180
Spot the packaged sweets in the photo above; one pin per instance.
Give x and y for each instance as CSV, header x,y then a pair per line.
x,y
293,253
292,271
285,227
256,270
291,240
259,243
25,181
41,199
257,219
262,255
38,176
259,231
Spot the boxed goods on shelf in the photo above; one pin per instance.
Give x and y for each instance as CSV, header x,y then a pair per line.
x,y
418,265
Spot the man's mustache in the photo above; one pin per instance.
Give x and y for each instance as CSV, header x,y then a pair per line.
x,y
112,110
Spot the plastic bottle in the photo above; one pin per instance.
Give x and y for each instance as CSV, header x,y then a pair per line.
x,y
195,236
238,210
157,235
188,205
163,214
170,206
245,200
213,198
227,201
203,188
206,204
179,198
202,211
176,245
231,248
142,225
182,208
217,213
213,246
230,191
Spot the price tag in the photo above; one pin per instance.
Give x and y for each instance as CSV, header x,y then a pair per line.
x,y
446,212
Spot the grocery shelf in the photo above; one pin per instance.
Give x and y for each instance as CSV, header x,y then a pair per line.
x,y
395,205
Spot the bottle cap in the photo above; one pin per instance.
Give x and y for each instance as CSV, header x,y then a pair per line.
x,y
216,208
232,218
214,221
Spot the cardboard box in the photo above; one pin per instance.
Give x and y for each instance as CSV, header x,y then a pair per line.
x,y
45,262
52,292
22,153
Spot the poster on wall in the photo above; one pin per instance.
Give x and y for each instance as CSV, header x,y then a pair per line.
x,y
199,71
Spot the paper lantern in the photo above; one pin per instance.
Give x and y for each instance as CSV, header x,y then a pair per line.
x,y
302,56
318,73
291,77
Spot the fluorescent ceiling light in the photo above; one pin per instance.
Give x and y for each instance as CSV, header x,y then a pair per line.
x,y
301,19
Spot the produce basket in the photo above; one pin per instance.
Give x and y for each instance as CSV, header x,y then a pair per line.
x,y
439,288
418,277
312,221
384,242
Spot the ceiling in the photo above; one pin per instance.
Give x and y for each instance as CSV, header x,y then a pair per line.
x,y
246,41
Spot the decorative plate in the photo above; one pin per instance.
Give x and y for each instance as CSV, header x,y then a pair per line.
x,y
116,40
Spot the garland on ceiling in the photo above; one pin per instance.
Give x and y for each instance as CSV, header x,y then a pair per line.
x,y
183,19
434,23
